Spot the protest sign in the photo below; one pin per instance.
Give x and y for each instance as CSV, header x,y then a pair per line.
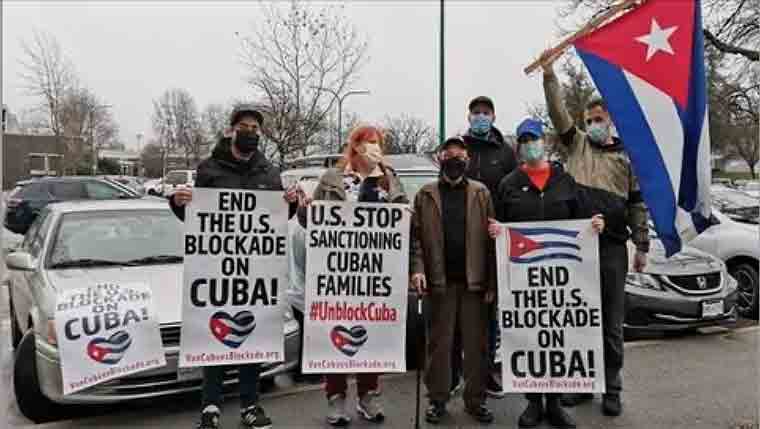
x,y
550,307
235,272
357,271
106,331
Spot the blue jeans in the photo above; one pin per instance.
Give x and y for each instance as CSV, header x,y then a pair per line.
x,y
213,381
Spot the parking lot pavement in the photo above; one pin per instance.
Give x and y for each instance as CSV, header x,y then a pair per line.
x,y
698,381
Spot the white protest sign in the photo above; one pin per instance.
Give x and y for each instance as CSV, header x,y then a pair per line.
x,y
550,307
235,271
357,270
106,331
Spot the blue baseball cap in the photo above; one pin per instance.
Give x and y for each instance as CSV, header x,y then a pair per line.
x,y
532,127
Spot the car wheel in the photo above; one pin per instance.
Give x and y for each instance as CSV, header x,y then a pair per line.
x,y
30,399
746,276
15,330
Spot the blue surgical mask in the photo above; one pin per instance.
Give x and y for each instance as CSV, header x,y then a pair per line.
x,y
532,151
480,124
598,132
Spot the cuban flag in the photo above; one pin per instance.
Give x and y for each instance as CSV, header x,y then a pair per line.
x,y
649,66
109,350
531,245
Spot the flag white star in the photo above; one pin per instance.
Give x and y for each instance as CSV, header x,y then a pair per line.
x,y
657,39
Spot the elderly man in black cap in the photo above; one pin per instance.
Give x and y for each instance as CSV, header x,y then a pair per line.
x,y
235,163
454,263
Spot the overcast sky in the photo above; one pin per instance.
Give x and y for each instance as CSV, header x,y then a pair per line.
x,y
130,52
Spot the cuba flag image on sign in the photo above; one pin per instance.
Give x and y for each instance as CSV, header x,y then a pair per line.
x,y
649,67
529,245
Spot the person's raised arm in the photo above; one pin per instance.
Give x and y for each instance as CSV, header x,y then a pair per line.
x,y
555,102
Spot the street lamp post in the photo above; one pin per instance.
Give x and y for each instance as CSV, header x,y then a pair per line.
x,y
340,106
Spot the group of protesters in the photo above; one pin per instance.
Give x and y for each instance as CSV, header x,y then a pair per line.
x,y
483,182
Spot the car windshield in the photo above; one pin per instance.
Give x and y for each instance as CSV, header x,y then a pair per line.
x,y
413,183
132,237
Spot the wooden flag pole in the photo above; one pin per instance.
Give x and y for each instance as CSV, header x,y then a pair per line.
x,y
557,51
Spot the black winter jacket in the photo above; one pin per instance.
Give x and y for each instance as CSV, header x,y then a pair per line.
x,y
222,170
519,200
490,160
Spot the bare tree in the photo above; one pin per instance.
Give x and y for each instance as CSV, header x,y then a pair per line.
x,y
152,159
177,124
215,119
48,75
296,59
408,134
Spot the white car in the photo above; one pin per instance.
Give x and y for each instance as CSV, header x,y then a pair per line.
x,y
154,186
737,245
177,179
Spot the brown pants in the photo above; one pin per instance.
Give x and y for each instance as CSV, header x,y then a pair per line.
x,y
447,307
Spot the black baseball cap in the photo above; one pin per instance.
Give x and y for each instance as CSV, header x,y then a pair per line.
x,y
481,100
245,110
456,140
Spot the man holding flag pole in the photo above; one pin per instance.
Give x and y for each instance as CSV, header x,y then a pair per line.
x,y
648,64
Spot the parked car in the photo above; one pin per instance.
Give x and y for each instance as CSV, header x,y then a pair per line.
x,y
30,196
689,290
752,188
74,244
736,244
129,181
177,179
154,186
736,204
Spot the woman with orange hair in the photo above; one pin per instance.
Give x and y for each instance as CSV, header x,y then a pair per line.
x,y
362,175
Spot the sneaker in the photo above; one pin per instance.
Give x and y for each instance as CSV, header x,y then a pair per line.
x,y
574,399
435,412
480,413
493,388
209,418
611,405
370,407
336,414
254,417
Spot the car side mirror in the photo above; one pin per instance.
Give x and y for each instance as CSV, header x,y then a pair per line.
x,y
20,261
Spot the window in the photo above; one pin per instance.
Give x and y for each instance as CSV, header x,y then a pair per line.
x,y
101,191
117,236
32,191
68,191
37,236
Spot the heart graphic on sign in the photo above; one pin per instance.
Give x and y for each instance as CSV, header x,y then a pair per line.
x,y
109,350
348,341
232,330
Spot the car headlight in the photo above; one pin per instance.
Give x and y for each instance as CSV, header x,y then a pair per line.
x,y
643,281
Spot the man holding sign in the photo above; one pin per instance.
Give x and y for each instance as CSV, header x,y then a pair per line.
x,y
536,191
236,163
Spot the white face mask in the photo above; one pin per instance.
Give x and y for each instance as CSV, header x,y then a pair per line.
x,y
373,155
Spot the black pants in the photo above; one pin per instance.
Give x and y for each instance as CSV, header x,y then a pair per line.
x,y
535,397
614,268
299,318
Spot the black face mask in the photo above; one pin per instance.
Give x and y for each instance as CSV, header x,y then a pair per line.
x,y
247,142
453,168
